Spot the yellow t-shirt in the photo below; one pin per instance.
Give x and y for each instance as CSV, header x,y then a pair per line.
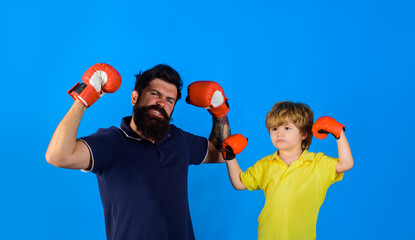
x,y
293,195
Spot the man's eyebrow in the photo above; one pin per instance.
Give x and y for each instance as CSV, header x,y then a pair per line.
x,y
154,90
170,98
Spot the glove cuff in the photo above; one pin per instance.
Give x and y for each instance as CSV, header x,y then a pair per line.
x,y
85,93
227,153
220,111
338,129
233,145
320,135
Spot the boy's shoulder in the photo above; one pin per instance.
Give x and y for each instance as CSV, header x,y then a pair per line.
x,y
311,155
306,154
316,156
270,157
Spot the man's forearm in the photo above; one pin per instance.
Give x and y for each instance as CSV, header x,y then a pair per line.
x,y
220,131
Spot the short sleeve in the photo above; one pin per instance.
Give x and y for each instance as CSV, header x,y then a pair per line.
x,y
197,147
251,178
100,145
327,169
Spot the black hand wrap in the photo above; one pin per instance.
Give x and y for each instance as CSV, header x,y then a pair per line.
x,y
229,155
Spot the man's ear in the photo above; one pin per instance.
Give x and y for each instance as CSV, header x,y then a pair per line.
x,y
134,97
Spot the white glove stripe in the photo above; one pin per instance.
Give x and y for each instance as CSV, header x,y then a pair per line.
x,y
82,100
98,79
217,99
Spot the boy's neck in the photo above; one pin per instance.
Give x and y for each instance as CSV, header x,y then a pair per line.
x,y
289,156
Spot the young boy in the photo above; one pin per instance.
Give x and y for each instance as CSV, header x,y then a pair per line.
x,y
294,180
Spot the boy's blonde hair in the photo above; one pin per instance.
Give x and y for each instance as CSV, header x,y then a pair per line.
x,y
300,114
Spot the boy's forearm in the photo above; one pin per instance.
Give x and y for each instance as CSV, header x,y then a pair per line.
x,y
234,172
345,154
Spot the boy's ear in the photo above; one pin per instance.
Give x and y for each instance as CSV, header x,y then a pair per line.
x,y
304,135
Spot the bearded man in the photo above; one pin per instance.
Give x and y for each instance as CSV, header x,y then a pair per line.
x,y
142,166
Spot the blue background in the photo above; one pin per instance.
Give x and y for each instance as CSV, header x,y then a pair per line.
x,y
352,60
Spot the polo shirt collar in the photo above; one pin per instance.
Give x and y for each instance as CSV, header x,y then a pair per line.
x,y
128,132
305,156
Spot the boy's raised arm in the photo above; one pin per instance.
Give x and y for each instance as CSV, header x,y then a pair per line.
x,y
230,147
234,172
326,125
345,154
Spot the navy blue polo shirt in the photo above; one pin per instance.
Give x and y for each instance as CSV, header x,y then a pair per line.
x,y
143,186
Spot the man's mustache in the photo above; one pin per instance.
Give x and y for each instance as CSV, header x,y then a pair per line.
x,y
159,109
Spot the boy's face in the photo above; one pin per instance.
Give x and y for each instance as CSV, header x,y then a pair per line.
x,y
287,137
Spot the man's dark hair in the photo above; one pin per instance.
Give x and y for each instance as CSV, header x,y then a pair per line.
x,y
161,71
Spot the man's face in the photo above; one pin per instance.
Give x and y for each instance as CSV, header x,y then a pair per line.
x,y
161,93
153,109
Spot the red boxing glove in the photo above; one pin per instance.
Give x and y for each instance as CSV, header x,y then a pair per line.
x,y
208,95
97,80
326,125
233,145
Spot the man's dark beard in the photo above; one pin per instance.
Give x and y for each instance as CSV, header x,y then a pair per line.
x,y
150,126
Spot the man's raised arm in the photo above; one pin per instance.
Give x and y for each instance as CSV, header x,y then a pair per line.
x,y
210,95
64,150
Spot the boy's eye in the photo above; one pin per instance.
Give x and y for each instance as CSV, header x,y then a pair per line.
x,y
287,128
274,129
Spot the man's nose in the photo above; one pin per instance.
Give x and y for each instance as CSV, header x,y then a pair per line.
x,y
161,102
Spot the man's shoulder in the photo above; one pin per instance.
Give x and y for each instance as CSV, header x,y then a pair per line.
x,y
110,130
104,133
175,129
179,134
